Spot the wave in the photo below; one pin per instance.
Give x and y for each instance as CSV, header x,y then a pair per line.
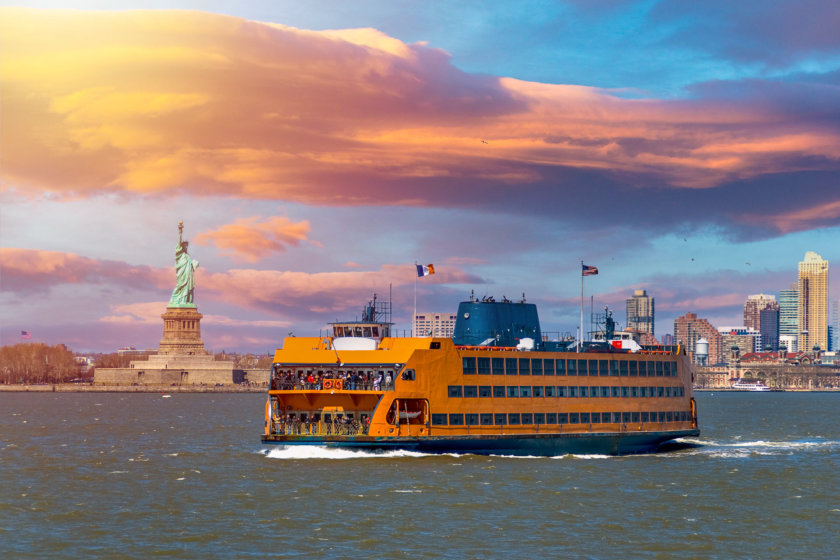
x,y
318,452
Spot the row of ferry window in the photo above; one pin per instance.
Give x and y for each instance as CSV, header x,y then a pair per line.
x,y
527,418
537,366
571,391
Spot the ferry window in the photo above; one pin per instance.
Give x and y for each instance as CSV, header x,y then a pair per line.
x,y
571,367
498,391
614,370
551,418
634,391
597,367
513,419
548,367
408,374
455,391
644,416
524,366
527,418
643,391
510,366
622,368
375,331
367,332
537,391
486,419
484,366
581,367
625,392
660,391
625,417
525,391
539,418
434,346
549,391
605,392
673,367
661,416
634,368
659,369
561,367
667,391
357,331
574,418
498,366
469,365
603,368
583,392
471,419
682,391
669,416
636,417
438,419
642,369
561,391
615,392
348,331
536,367
470,391
484,391
500,419
584,418
513,391
595,417
563,418
456,419
572,391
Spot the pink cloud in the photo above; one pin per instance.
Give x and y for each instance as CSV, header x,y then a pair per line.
x,y
174,101
251,239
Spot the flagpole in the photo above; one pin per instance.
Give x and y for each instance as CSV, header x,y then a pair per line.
x,y
414,317
580,344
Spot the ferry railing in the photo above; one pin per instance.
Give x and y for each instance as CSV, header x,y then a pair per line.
x,y
329,385
338,427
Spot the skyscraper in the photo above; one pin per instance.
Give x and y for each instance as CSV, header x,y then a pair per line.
x,y
769,328
789,315
753,307
813,302
640,312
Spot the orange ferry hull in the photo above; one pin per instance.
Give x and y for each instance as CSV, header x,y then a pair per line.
x,y
544,445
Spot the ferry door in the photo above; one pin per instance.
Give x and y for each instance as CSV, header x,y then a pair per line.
x,y
410,416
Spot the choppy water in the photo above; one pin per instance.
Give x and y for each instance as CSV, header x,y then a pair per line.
x,y
139,476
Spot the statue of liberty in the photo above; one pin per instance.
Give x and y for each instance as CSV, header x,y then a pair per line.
x,y
182,295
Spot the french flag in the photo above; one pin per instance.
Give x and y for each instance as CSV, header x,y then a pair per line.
x,y
427,270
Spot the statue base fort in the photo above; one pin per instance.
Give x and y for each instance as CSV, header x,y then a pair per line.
x,y
181,358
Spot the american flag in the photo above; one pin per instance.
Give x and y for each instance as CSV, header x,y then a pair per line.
x,y
589,270
25,334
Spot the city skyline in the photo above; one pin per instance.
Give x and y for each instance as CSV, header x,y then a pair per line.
x,y
318,151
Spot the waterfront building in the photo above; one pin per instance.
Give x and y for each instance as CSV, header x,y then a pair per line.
x,y
834,323
747,340
753,307
640,312
689,328
439,325
789,313
813,302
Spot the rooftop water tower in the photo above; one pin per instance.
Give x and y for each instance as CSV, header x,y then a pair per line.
x,y
701,353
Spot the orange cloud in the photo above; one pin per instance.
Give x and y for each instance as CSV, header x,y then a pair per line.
x,y
174,101
250,239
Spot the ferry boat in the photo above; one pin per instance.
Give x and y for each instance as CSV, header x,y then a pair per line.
x,y
744,385
495,387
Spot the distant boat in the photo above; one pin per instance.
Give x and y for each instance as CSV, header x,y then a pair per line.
x,y
742,385
166,396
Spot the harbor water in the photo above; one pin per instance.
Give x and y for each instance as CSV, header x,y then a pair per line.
x,y
114,475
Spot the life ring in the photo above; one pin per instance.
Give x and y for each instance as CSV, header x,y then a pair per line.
x,y
338,384
328,383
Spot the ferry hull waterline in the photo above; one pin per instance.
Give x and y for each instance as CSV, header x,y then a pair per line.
x,y
494,388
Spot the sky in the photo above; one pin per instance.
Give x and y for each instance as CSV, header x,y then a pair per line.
x,y
317,150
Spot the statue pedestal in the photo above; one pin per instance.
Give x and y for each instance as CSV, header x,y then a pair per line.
x,y
182,332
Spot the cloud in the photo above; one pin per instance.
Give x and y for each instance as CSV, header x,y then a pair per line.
x,y
31,271
251,239
134,313
172,102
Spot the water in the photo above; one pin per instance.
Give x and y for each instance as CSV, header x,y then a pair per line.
x,y
140,476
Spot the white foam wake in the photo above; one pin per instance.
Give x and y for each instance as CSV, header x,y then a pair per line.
x,y
318,452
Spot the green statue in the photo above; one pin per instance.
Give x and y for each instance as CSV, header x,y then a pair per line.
x,y
182,295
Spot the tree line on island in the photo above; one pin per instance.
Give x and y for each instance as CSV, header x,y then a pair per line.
x,y
36,363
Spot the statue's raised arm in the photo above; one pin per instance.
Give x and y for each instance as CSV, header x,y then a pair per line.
x,y
183,294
